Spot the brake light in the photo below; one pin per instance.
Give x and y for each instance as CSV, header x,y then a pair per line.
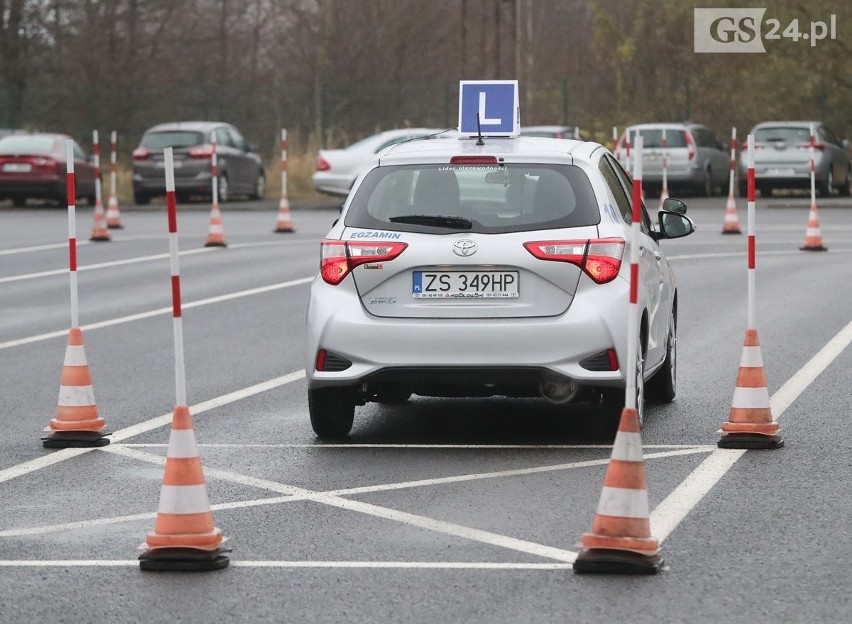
x,y
817,146
339,258
201,151
473,160
140,153
322,164
690,146
599,258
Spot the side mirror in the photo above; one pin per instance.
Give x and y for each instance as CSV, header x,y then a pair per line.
x,y
675,225
340,207
670,204
251,147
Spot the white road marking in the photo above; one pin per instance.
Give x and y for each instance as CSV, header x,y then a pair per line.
x,y
676,506
405,565
743,254
64,245
158,312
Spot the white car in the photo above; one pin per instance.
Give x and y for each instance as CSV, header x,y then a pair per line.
x,y
459,269
337,169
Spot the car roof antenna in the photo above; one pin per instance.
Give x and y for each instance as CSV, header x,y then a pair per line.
x,y
479,131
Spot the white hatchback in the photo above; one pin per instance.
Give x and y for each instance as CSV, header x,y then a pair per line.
x,y
458,269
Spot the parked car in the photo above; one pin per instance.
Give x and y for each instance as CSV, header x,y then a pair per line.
x,y
782,158
241,170
34,166
464,270
337,168
554,132
695,160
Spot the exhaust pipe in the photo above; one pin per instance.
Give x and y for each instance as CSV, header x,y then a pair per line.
x,y
558,389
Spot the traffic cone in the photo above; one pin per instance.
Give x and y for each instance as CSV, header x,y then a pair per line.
x,y
77,423
620,541
732,222
99,230
750,424
285,223
184,538
216,234
813,237
113,216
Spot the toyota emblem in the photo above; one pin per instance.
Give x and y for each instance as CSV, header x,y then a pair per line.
x,y
464,248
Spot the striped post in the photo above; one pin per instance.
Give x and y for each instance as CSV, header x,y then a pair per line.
x,y
285,223
113,216
633,308
614,138
750,423
77,423
732,222
664,193
99,230
813,235
184,537
215,233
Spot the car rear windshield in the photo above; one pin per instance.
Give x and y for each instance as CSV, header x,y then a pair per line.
x,y
172,138
653,137
476,198
782,133
27,144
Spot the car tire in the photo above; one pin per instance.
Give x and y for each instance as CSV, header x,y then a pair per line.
x,y
614,403
19,201
259,187
662,387
824,187
224,188
141,199
332,412
846,189
707,187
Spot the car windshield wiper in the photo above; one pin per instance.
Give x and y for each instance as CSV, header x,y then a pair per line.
x,y
436,220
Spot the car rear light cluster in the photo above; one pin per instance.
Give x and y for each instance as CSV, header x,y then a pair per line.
x,y
816,145
322,164
338,258
141,153
690,146
599,258
201,151
473,160
328,362
605,361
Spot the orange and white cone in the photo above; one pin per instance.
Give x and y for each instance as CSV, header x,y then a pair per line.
x,y
285,223
732,222
813,236
113,216
750,424
215,234
99,230
77,423
621,541
184,537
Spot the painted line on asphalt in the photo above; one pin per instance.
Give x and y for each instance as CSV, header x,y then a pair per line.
x,y
148,425
158,312
399,565
738,254
7,252
675,507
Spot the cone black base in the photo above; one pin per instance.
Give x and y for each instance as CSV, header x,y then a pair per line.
x,y
731,232
750,441
285,231
184,559
116,227
215,244
75,439
100,239
820,248
606,561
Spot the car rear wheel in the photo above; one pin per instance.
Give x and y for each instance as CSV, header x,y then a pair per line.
x,y
19,201
332,412
224,188
826,185
707,187
141,199
614,401
259,188
846,189
662,387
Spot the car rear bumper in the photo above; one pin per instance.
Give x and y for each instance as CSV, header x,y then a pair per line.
x,y
201,182
53,187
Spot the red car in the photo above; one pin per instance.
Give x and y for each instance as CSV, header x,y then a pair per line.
x,y
34,166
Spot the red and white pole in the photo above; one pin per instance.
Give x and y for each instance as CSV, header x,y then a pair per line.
x,y
171,204
214,172
813,167
72,231
215,233
99,230
732,222
664,193
113,216
751,235
614,139
733,162
813,235
285,223
633,307
627,148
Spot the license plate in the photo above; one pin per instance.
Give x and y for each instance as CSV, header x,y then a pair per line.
x,y
464,284
780,172
17,167
160,164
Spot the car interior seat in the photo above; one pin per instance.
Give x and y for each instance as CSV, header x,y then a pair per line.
x,y
436,193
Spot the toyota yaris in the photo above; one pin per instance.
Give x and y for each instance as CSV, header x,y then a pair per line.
x,y
466,270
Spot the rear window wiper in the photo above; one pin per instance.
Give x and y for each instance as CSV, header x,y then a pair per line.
x,y
435,220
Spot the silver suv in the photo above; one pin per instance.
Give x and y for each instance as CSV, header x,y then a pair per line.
x,y
696,160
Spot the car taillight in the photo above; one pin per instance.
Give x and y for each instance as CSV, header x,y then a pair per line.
x,y
338,258
817,146
690,146
322,164
140,153
473,160
40,162
201,151
599,258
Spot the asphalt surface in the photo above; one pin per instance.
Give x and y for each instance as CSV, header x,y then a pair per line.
x,y
439,510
